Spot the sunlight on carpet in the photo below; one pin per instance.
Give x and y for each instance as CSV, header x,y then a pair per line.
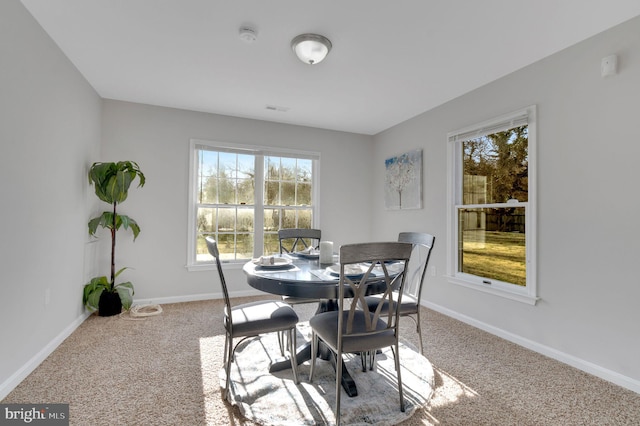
x,y
274,399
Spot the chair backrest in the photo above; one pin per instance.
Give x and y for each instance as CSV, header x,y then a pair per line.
x,y
386,261
298,239
422,246
212,246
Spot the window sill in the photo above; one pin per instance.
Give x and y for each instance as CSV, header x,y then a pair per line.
x,y
518,297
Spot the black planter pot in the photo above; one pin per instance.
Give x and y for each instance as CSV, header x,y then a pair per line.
x,y
109,304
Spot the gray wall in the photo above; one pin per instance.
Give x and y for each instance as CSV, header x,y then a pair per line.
x,y
49,134
588,230
158,140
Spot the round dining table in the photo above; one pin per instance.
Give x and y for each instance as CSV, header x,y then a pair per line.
x,y
303,276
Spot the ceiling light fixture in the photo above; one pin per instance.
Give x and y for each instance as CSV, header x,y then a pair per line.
x,y
311,48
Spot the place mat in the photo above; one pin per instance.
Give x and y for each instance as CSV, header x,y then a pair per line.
x,y
274,399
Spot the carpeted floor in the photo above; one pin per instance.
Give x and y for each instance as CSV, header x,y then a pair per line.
x,y
114,371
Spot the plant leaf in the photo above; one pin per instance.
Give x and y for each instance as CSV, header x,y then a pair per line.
x,y
92,291
129,222
119,272
125,290
112,180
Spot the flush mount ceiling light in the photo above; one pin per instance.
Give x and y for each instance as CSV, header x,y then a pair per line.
x,y
311,48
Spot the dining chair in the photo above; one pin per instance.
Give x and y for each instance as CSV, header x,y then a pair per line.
x,y
351,329
252,319
410,306
298,239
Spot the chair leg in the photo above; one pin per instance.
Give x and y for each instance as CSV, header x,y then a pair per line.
x,y
226,348
314,351
281,342
338,384
229,356
397,359
292,354
419,331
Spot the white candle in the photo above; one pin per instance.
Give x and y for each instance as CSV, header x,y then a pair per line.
x,y
326,252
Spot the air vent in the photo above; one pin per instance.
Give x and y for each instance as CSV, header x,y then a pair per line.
x,y
276,108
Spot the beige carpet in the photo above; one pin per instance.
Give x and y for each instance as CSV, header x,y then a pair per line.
x,y
114,371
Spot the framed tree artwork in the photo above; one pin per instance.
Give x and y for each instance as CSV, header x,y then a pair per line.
x,y
403,181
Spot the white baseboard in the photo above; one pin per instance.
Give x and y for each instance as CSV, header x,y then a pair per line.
x,y
194,297
17,377
586,366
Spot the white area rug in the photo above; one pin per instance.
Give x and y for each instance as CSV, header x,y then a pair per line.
x,y
274,399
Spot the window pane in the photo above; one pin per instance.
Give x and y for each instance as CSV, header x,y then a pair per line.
x,y
228,165
304,171
244,245
304,218
271,168
226,246
226,190
226,219
496,167
202,253
206,219
272,193
288,194
492,243
207,171
271,244
245,191
304,194
271,219
288,218
245,220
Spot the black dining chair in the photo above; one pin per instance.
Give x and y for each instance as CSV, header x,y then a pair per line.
x,y
410,306
252,319
298,239
351,329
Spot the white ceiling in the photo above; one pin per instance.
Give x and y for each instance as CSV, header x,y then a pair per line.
x,y
391,60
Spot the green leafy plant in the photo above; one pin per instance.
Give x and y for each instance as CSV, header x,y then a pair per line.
x,y
111,182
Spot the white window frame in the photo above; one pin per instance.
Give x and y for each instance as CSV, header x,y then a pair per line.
x,y
527,294
258,151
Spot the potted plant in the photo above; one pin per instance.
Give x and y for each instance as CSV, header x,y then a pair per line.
x,y
111,181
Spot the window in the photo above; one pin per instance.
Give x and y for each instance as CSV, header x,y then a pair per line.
x,y
492,206
242,195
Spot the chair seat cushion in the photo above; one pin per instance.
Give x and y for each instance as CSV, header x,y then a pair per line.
x,y
408,306
251,319
326,327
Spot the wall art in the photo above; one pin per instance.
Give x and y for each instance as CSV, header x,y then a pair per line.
x,y
403,181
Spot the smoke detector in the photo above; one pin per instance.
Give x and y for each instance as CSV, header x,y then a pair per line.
x,y
248,35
